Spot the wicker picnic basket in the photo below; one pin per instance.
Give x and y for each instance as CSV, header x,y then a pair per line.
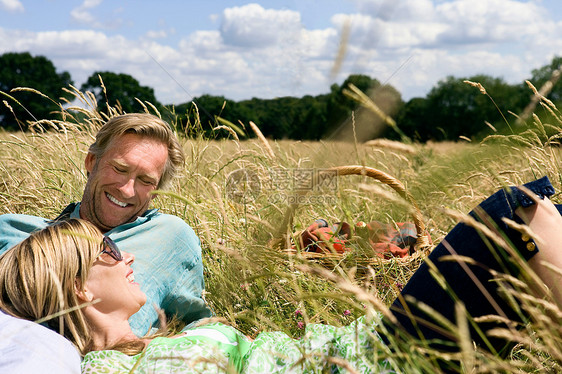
x,y
422,247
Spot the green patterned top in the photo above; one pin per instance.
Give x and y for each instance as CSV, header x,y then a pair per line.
x,y
219,348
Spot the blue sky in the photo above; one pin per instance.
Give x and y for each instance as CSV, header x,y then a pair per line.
x,y
265,49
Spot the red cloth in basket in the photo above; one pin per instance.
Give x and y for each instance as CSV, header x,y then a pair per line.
x,y
388,240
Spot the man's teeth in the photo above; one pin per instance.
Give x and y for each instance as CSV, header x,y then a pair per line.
x,y
131,277
115,201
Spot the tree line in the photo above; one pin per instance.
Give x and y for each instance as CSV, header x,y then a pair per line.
x,y
453,108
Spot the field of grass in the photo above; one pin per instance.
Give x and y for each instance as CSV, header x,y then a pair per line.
x,y
254,285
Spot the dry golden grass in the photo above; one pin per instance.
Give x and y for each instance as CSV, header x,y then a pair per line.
x,y
255,287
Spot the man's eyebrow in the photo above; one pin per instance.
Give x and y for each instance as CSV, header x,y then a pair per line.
x,y
118,163
153,178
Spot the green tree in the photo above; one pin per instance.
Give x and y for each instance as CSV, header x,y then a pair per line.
x,y
306,118
310,118
37,72
201,114
279,118
288,117
365,124
122,90
544,74
455,108
339,105
414,120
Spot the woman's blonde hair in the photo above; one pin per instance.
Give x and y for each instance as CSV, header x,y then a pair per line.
x,y
40,276
146,125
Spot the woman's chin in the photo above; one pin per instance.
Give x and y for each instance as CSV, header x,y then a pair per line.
x,y
141,301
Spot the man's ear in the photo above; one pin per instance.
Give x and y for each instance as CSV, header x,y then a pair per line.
x,y
81,292
89,162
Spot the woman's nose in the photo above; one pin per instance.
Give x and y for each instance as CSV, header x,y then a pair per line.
x,y
128,257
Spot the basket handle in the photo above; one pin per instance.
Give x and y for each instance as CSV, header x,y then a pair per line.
x,y
422,240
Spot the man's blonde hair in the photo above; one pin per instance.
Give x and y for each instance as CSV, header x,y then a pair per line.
x,y
146,125
40,276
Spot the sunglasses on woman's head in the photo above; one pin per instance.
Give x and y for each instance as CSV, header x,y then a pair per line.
x,y
111,249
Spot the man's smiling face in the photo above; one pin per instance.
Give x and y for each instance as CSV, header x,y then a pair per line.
x,y
120,183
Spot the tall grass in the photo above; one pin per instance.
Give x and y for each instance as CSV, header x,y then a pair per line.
x,y
257,287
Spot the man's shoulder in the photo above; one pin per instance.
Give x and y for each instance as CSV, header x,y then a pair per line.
x,y
157,214
157,223
159,218
16,227
13,218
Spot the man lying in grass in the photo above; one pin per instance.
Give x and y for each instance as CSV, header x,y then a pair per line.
x,y
70,266
132,156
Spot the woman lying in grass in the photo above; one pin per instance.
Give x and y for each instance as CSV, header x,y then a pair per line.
x,y
70,266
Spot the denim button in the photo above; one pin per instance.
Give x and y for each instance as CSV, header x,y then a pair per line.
x,y
541,187
548,191
531,246
525,237
526,201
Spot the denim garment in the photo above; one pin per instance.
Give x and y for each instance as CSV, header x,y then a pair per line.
x,y
167,265
466,241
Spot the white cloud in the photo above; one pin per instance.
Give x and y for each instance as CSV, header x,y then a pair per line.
x,y
428,67
156,34
11,5
501,38
253,26
404,10
471,21
258,52
420,23
82,14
